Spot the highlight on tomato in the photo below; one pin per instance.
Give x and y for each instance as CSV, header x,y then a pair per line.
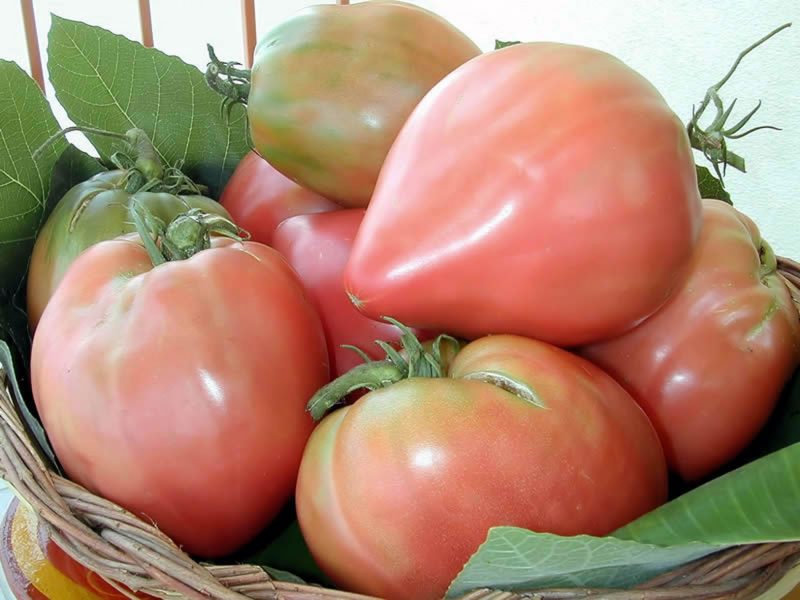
x,y
397,490
544,190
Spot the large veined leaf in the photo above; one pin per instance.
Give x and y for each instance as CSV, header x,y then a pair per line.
x,y
107,81
517,559
755,503
25,123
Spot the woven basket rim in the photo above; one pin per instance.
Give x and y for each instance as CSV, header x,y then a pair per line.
x,y
126,551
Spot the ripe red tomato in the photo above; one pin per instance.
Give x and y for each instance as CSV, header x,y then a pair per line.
x,y
397,490
179,391
258,198
318,246
709,366
543,189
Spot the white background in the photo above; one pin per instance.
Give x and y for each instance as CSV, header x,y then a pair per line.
x,y
682,46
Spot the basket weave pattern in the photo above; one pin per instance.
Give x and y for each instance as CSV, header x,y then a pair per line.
x,y
124,549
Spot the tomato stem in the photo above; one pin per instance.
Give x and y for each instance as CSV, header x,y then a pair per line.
x,y
140,159
184,236
189,233
63,132
228,80
370,376
711,141
147,160
412,360
150,228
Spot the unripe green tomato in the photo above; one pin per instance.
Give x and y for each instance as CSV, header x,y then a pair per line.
x,y
92,211
332,86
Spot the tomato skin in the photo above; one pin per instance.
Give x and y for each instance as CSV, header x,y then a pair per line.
x,y
259,198
95,210
396,491
709,367
332,86
318,246
570,218
182,396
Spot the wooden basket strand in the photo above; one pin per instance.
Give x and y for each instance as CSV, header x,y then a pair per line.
x,y
127,551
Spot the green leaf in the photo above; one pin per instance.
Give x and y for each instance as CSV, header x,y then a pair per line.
x,y
72,167
710,186
25,123
279,575
517,559
498,44
755,503
107,81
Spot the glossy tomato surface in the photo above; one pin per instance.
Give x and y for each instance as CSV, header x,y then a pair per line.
x,y
318,246
259,198
95,210
332,85
179,391
396,491
709,367
543,189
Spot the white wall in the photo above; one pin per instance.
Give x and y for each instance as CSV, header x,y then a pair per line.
x,y
682,46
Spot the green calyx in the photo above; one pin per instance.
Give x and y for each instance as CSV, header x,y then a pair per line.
x,y
712,140
184,236
138,157
411,360
228,80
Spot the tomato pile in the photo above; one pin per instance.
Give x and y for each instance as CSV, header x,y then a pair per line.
x,y
560,319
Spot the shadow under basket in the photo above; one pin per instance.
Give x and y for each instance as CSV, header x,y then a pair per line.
x,y
131,554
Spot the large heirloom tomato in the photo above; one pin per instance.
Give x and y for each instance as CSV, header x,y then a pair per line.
x,y
259,198
332,86
709,366
179,391
543,189
318,246
397,490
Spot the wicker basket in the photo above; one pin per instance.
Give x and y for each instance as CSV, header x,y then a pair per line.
x,y
123,549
